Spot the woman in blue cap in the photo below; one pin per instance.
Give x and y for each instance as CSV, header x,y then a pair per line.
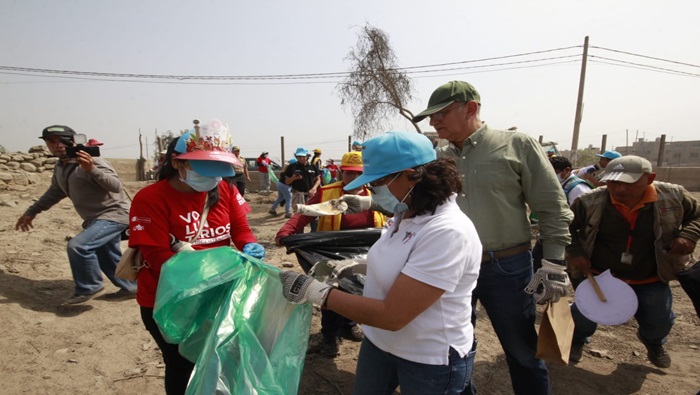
x,y
190,178
415,308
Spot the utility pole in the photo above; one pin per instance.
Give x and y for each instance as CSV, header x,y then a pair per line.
x,y
579,102
662,147
282,147
603,143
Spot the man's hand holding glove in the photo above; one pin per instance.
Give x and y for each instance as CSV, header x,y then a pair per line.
x,y
299,288
549,283
255,250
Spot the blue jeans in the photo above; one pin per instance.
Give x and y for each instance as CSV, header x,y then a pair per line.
x,y
654,315
97,249
500,289
379,373
284,192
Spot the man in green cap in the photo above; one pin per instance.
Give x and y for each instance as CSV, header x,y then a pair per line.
x,y
503,173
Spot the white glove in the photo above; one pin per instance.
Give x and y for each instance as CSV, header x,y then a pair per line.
x,y
329,271
549,283
356,204
299,288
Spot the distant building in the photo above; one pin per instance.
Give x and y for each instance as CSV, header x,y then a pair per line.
x,y
676,153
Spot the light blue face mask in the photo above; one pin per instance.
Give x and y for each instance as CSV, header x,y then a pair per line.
x,y
384,198
198,182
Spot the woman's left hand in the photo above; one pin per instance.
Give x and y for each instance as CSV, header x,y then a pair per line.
x,y
255,250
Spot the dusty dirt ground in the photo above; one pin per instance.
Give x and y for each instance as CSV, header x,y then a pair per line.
x,y
102,347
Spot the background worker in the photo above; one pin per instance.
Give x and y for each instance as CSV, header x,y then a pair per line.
x,y
284,193
316,160
264,164
593,174
644,232
241,169
303,177
97,194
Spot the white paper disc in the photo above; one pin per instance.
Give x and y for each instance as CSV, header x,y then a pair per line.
x,y
621,300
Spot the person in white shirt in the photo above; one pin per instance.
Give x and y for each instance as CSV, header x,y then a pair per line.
x,y
415,308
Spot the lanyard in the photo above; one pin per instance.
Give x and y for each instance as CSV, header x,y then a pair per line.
x,y
632,224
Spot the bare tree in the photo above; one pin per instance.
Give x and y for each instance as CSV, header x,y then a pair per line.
x,y
375,87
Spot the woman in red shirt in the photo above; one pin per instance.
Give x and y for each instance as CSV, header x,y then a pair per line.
x,y
191,175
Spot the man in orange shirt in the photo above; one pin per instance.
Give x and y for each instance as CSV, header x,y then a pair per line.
x,y
644,232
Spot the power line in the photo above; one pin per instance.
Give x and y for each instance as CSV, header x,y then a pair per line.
x,y
97,78
645,56
485,59
653,68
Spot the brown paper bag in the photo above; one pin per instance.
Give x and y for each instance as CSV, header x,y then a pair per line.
x,y
556,333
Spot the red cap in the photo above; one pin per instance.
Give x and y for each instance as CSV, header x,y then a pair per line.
x,y
93,143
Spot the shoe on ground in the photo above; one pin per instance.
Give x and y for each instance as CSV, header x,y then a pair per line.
x,y
288,215
329,348
120,295
355,333
272,212
576,353
658,356
82,298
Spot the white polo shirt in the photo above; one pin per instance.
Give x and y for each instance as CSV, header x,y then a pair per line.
x,y
442,250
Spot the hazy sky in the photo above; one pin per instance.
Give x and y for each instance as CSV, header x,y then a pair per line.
x,y
295,37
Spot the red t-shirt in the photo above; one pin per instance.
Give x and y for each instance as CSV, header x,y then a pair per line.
x,y
159,210
263,164
333,169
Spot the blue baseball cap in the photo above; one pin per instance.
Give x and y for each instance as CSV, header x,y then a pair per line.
x,y
609,155
293,160
301,151
391,153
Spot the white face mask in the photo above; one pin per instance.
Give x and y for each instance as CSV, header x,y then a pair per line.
x,y
384,198
561,177
198,182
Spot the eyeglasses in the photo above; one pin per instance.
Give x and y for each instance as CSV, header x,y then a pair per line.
x,y
438,116
380,182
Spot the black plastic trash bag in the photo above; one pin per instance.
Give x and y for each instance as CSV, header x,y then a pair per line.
x,y
690,282
310,248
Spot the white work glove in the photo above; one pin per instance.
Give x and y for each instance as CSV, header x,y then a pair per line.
x,y
299,288
549,283
356,204
330,271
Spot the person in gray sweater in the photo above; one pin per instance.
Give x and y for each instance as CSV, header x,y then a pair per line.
x,y
98,196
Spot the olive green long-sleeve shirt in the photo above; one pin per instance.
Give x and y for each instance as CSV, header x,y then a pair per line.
x,y
502,174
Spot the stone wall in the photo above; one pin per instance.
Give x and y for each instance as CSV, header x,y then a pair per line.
x,y
19,168
24,168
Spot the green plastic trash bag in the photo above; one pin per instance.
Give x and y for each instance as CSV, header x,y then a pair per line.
x,y
326,177
226,311
273,177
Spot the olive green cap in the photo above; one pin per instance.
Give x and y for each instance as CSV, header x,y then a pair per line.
x,y
453,91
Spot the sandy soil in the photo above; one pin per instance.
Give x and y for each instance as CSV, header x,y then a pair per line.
x,y
102,347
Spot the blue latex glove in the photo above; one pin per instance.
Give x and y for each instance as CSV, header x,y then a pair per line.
x,y
255,250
